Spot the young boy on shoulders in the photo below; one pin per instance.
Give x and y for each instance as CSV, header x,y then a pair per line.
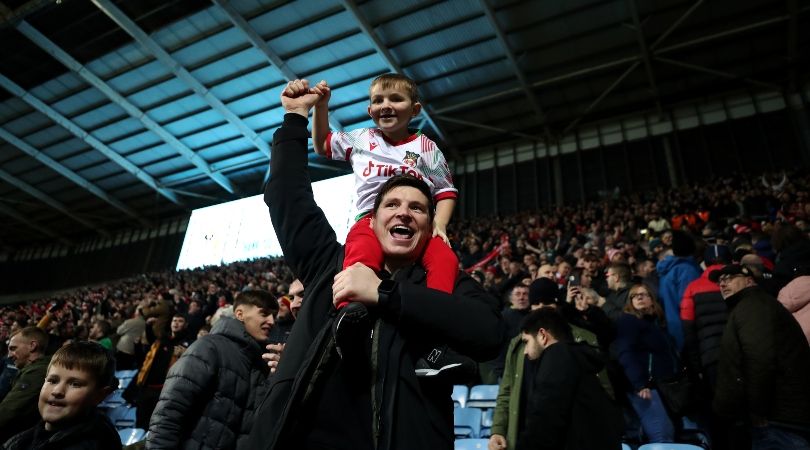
x,y
379,153
80,375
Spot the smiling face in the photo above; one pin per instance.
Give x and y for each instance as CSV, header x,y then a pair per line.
x,y
391,108
258,321
67,393
402,225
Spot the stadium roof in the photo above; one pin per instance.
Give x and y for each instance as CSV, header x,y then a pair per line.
x,y
114,113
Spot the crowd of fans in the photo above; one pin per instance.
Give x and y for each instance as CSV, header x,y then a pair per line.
x,y
598,256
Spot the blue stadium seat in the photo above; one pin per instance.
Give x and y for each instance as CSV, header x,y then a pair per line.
x,y
667,446
467,422
122,416
483,396
124,382
130,436
471,444
125,373
626,447
486,423
114,399
460,393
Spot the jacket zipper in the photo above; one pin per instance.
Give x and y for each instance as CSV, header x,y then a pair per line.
x,y
376,419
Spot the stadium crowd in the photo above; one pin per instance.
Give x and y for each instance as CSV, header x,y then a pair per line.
x,y
668,249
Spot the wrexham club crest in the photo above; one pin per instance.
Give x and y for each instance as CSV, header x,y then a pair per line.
x,y
411,158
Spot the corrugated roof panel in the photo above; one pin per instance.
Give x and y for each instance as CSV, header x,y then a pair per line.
x,y
27,123
148,155
12,108
426,22
205,49
345,49
169,166
178,107
105,116
19,164
268,119
263,78
188,29
287,15
81,161
46,136
229,66
440,42
67,148
468,80
57,88
79,101
136,141
255,103
323,31
139,78
199,122
209,135
466,58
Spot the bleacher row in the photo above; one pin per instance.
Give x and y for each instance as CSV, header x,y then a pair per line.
x,y
472,420
121,414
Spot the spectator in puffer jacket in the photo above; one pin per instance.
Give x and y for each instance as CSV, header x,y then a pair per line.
x,y
210,395
796,298
704,315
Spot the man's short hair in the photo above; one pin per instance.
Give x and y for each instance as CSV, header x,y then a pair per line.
x,y
395,80
405,181
105,326
35,334
549,319
89,357
622,270
258,298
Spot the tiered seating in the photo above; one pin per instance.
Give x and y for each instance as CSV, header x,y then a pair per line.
x,y
125,377
130,436
467,422
460,393
483,396
471,444
670,447
122,416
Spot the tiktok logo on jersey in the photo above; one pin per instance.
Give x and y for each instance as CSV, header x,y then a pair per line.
x,y
386,170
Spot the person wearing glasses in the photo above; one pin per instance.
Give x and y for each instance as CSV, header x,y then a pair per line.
x,y
645,353
764,367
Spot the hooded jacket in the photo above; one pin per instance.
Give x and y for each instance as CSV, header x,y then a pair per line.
x,y
405,411
93,432
796,298
210,394
676,273
568,408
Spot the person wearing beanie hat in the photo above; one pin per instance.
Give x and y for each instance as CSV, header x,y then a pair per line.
x,y
543,291
676,272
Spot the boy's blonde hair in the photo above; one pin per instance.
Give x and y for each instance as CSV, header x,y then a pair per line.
x,y
88,357
395,80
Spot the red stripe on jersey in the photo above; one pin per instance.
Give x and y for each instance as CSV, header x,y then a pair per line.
x,y
348,153
444,195
328,146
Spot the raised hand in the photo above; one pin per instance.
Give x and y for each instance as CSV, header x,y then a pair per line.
x,y
297,97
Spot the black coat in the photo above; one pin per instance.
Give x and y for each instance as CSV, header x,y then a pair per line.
x,y
406,412
94,432
568,408
764,367
210,393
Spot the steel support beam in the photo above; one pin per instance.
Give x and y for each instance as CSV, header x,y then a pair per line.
x,y
645,54
260,44
368,31
719,73
77,131
633,67
136,113
489,127
152,48
69,174
31,224
793,44
9,17
510,56
45,198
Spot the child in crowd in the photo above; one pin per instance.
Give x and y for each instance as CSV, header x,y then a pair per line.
x,y
384,151
80,375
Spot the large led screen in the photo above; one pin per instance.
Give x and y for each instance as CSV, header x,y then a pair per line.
x,y
241,229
